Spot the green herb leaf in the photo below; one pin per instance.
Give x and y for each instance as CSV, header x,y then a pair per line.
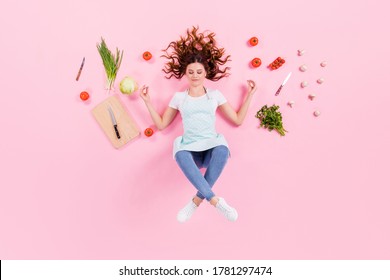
x,y
111,62
271,119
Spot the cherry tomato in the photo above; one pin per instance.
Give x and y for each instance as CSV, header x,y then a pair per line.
x,y
148,132
256,62
277,63
253,41
147,55
84,95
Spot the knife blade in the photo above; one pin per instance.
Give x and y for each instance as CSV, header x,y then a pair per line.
x,y
81,68
284,82
114,123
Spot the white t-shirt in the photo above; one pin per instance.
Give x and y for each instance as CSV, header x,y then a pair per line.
x,y
198,115
179,97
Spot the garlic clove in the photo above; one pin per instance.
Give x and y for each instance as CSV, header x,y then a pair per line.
x,y
301,52
304,84
312,96
324,63
291,103
303,68
320,80
317,113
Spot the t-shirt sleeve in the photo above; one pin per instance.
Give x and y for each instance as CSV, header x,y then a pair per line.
x,y
175,101
220,97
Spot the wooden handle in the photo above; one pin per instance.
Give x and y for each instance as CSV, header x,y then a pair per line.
x,y
278,91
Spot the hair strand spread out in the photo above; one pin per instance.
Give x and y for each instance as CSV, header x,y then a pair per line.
x,y
195,47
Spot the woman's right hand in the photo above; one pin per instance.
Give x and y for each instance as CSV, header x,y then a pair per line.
x,y
145,93
160,121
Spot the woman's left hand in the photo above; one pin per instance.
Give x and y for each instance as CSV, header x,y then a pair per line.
x,y
251,87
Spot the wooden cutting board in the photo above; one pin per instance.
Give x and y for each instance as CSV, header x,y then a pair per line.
x,y
127,128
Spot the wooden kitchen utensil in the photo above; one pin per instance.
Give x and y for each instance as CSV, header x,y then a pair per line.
x,y
127,128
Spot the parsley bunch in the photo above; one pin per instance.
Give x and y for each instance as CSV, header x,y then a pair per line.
x,y
271,119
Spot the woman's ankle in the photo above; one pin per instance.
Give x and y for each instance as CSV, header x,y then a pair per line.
x,y
214,200
197,200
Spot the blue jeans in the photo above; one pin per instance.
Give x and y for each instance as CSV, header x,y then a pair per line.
x,y
214,160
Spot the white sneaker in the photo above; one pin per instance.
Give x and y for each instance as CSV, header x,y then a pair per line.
x,y
229,212
186,213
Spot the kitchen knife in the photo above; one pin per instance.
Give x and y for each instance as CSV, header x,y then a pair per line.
x,y
114,123
81,68
284,82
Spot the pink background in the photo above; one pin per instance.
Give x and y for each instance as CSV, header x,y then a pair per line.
x,y
321,192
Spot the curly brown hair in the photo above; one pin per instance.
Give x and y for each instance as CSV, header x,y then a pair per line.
x,y
196,47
